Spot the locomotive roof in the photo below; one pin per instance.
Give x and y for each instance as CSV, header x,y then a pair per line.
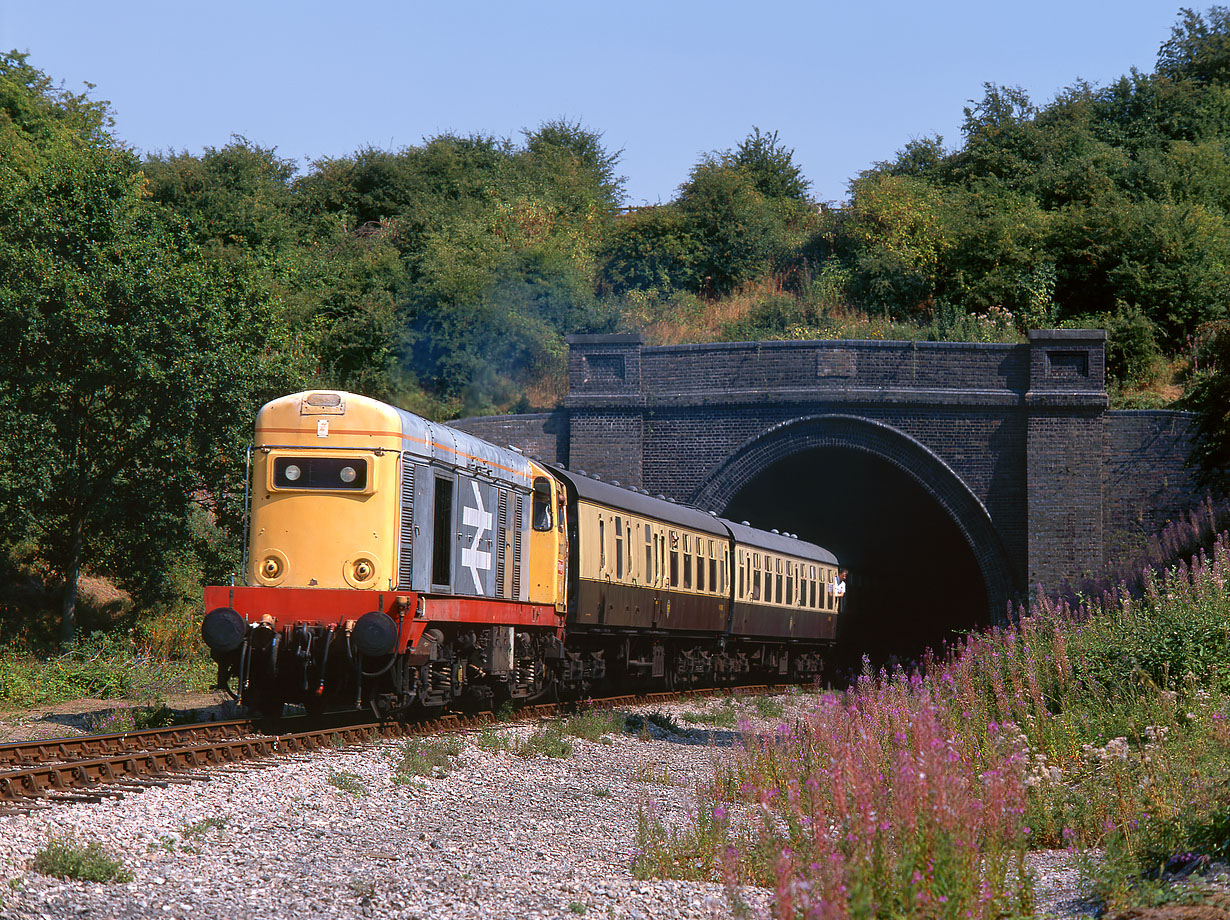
x,y
615,496
778,543
383,425
452,447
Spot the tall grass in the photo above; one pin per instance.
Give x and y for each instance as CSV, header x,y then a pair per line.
x,y
1100,725
99,666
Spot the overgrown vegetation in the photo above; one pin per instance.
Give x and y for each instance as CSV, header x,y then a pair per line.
x,y
101,666
428,756
67,859
349,782
1103,726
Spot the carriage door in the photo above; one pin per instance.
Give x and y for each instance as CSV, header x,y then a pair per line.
x,y
474,572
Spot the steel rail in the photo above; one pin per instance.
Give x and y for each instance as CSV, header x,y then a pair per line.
x,y
91,765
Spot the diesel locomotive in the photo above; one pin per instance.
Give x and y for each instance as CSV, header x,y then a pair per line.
x,y
394,563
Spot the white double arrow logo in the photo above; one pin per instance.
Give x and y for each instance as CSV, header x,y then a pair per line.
x,y
472,557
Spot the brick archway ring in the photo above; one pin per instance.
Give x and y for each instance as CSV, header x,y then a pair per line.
x,y
935,477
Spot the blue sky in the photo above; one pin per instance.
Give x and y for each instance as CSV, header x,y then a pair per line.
x,y
843,83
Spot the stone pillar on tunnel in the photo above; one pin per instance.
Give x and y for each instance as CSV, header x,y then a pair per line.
x,y
606,407
1066,405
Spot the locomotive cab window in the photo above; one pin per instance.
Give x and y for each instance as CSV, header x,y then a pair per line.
x,y
333,474
541,515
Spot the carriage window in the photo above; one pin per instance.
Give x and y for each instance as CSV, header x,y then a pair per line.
x,y
674,568
687,567
789,589
742,582
755,584
713,576
442,551
619,547
649,576
601,544
541,515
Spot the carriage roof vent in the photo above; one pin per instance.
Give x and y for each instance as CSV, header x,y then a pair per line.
x,y
745,523
614,482
660,497
776,531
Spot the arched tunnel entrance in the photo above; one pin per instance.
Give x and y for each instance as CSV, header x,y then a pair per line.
x,y
913,578
925,562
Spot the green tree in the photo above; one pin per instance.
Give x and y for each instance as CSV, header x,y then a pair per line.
x,y
737,231
651,249
1198,48
770,166
235,200
132,366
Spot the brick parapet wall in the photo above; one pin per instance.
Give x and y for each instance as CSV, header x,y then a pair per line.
x,y
1024,427
1146,482
541,434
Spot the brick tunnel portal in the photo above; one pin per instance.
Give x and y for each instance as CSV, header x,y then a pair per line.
x,y
915,581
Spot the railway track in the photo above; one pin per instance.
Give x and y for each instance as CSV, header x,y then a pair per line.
x,y
41,774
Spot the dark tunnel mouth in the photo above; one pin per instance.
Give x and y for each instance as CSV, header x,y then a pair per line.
x,y
915,580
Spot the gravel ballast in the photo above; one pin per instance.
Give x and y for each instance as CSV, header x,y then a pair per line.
x,y
498,836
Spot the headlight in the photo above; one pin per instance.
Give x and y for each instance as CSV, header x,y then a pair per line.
x,y
347,474
293,473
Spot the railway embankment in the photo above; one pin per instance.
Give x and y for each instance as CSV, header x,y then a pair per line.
x,y
518,820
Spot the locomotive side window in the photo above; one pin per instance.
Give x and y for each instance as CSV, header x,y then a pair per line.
x,y
332,473
541,514
442,550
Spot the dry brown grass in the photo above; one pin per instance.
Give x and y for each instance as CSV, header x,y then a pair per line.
x,y
714,316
